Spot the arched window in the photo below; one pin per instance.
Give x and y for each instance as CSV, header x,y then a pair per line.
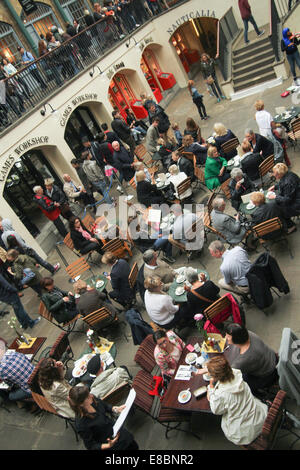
x,y
9,42
40,21
74,9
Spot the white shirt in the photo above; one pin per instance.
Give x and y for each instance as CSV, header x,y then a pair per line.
x,y
160,307
235,266
264,119
176,180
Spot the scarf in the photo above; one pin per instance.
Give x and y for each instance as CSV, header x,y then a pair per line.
x,y
84,233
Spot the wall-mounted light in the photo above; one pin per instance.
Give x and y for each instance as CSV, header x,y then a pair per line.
x,y
136,44
43,111
93,70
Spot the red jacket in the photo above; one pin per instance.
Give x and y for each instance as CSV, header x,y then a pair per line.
x,y
224,315
47,206
244,9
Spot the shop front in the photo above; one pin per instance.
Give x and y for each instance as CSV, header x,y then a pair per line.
x,y
158,80
194,37
81,124
29,170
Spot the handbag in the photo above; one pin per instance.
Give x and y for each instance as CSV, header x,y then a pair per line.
x,y
209,80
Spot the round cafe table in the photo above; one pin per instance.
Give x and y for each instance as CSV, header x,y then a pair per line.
x,y
183,297
286,118
243,206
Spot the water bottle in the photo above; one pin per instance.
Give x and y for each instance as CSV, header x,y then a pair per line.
x,y
205,356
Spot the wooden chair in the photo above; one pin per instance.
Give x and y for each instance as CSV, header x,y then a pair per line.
x,y
144,356
208,228
133,275
42,401
210,201
102,319
78,267
67,327
230,145
220,306
117,247
188,155
225,188
118,395
61,349
265,167
199,175
181,246
144,156
68,242
294,134
89,222
268,227
132,183
272,425
183,187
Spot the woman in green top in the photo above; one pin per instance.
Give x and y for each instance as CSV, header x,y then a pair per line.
x,y
215,168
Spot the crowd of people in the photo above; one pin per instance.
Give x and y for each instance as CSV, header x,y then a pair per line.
x,y
234,388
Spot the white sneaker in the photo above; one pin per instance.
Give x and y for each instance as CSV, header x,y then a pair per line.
x,y
120,189
137,25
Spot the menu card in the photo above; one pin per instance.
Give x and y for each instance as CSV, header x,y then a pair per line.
x,y
183,373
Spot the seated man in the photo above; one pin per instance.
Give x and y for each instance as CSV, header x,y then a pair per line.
x,y
239,185
234,267
250,162
260,144
154,266
184,164
91,300
15,370
106,381
253,357
229,226
265,211
120,270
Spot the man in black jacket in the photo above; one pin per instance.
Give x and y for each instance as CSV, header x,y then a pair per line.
x,y
120,270
260,144
250,161
184,164
123,162
57,195
93,147
164,125
123,131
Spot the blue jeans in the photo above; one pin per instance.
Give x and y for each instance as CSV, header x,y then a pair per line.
x,y
22,316
294,59
18,395
163,244
101,188
252,21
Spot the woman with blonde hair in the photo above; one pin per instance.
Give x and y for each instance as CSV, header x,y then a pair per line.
x,y
287,192
215,168
159,305
223,135
197,99
263,119
243,415
175,179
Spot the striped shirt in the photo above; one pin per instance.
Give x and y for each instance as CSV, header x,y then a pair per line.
x,y
15,369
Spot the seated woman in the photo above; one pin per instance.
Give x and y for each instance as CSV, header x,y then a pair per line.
x,y
193,129
55,387
91,300
239,185
215,172
243,415
265,211
82,238
250,162
199,150
222,135
139,166
120,270
252,357
159,305
94,425
59,303
202,293
147,193
175,179
287,192
167,351
164,151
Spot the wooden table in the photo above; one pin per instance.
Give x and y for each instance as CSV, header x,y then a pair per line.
x,y
32,350
170,399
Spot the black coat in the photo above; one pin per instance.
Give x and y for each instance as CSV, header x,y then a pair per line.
x,y
186,166
222,139
119,280
148,194
250,164
267,211
264,274
263,144
78,239
236,194
288,194
209,290
122,162
8,292
164,122
121,129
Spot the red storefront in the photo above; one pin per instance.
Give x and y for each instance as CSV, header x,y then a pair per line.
x,y
122,96
157,79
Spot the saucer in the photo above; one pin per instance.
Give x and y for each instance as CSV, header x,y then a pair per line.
x,y
184,396
179,290
191,358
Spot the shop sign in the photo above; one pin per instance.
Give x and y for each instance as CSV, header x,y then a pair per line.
x,y
33,142
114,69
4,169
29,6
193,14
75,101
147,40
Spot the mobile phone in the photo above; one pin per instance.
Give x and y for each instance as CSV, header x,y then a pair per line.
x,y
193,369
200,391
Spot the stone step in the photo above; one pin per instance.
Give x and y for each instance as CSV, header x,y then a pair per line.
x,y
250,74
265,48
240,67
252,45
270,75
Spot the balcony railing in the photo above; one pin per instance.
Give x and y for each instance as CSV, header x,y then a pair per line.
x,y
31,86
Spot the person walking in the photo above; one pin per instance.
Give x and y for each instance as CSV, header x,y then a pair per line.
x,y
27,58
123,131
95,176
246,15
207,66
197,99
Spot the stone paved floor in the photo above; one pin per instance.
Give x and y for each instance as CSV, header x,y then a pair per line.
x,y
19,430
